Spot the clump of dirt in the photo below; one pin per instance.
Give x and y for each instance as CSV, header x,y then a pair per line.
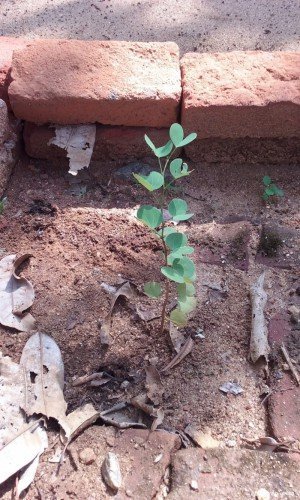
x,y
269,243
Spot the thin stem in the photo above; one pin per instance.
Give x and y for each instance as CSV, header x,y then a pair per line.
x,y
163,312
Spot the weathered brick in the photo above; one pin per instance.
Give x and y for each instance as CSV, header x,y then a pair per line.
x,y
114,83
7,46
241,94
8,145
114,143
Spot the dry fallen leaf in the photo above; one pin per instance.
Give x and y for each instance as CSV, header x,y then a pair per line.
x,y
78,420
118,418
16,295
44,375
177,337
154,385
125,290
202,439
184,351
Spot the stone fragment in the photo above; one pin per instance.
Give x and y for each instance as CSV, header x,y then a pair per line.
x,y
295,314
87,456
114,83
240,94
111,471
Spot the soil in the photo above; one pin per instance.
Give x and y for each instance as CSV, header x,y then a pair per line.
x,y
82,233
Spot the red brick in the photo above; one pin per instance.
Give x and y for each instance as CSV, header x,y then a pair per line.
x,y
7,46
113,83
241,94
114,143
284,401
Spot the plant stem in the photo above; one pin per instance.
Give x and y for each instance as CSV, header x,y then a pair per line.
x,y
163,312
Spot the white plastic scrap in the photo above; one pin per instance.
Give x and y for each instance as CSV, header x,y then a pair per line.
x,y
79,141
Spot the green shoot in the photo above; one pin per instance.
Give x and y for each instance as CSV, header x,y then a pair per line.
x,y
270,189
178,270
2,205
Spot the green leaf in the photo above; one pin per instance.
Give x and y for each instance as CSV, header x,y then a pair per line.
x,y
176,240
173,274
151,216
267,180
265,196
182,217
178,317
179,253
167,231
150,143
153,181
185,290
153,289
164,150
178,169
187,140
176,133
277,191
177,206
269,191
188,267
188,304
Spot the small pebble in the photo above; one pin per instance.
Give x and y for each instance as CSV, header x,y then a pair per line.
x,y
87,456
262,494
231,443
194,485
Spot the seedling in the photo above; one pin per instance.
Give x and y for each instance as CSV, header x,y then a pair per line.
x,y
270,189
177,267
2,205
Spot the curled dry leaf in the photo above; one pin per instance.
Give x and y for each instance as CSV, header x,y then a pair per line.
x,y
140,402
259,346
125,290
118,418
43,369
154,385
184,351
16,295
78,420
177,337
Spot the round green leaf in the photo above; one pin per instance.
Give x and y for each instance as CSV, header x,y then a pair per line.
x,y
177,207
164,150
188,267
178,169
172,274
153,181
151,216
267,180
270,191
153,289
177,254
176,133
188,304
178,317
187,140
176,240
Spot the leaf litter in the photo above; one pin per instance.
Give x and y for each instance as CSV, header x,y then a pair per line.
x,y
16,295
35,385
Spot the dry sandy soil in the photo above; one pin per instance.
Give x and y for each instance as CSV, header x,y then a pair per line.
x,y
82,232
196,25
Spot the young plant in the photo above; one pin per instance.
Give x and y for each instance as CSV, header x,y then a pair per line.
x,y
177,268
2,205
270,189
